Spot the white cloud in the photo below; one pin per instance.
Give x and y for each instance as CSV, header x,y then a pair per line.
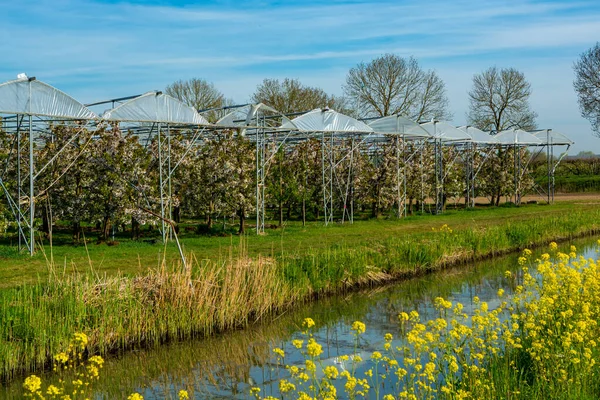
x,y
98,50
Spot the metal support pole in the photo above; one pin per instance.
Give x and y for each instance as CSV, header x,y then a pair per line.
x,y
331,147
422,181
31,191
553,187
348,210
404,177
323,177
399,196
169,178
473,175
439,176
548,165
160,180
257,184
19,183
517,175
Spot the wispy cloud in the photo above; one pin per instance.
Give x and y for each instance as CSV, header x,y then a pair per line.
x,y
95,48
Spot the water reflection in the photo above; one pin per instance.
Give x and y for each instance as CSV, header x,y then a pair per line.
x,y
226,366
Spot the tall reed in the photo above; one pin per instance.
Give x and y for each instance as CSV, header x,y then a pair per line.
x,y
203,297
120,312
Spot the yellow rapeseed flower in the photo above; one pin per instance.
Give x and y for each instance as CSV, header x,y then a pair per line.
x,y
53,390
308,323
313,348
285,386
359,327
32,383
331,372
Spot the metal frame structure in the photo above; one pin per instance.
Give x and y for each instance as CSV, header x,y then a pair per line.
x,y
517,140
551,139
41,105
154,115
482,143
332,127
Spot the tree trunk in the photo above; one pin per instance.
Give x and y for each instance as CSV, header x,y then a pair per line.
x,y
280,206
303,212
135,229
45,221
209,221
76,232
176,214
374,210
104,234
242,216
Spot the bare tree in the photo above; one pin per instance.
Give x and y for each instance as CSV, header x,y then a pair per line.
x,y
499,100
290,95
200,94
587,86
393,85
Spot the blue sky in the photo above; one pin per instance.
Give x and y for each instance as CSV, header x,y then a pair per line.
x,y
95,50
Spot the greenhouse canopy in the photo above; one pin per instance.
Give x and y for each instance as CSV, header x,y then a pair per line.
x,y
445,131
32,97
398,125
517,137
477,135
155,107
548,136
326,120
249,115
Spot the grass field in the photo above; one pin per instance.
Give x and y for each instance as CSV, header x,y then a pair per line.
x,y
230,281
133,257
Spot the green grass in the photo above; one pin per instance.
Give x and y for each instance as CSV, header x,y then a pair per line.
x,y
226,283
134,257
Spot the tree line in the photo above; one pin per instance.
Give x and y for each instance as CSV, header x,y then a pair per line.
x,y
113,177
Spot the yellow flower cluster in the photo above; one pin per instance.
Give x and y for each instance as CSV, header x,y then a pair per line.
x,y
84,372
443,229
359,327
541,343
279,352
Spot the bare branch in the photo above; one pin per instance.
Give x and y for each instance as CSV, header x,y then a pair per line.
x,y
394,85
499,100
587,86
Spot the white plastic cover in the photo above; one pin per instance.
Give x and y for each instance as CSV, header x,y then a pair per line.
x,y
477,135
445,131
548,136
326,120
237,119
398,125
228,119
155,107
23,96
517,137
